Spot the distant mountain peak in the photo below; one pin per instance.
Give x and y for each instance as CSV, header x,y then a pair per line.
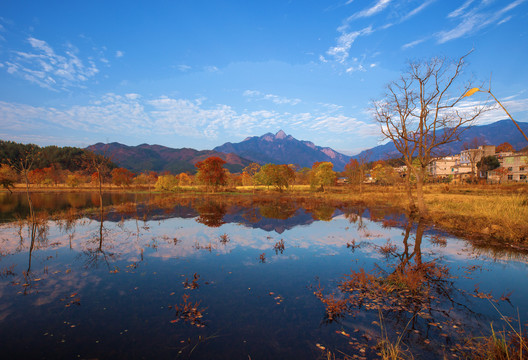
x,y
280,135
281,148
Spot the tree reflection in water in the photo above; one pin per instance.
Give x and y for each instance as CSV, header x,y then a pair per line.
x,y
211,213
278,210
96,255
414,296
38,228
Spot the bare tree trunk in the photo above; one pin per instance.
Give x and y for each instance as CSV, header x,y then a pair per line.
x,y
408,187
419,193
30,203
100,177
418,243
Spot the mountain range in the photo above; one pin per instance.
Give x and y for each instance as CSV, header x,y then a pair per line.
x,y
161,158
491,134
281,148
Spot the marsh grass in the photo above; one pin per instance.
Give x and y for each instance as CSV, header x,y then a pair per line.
x,y
393,350
511,343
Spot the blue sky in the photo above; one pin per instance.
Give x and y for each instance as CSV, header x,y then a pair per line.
x,y
200,73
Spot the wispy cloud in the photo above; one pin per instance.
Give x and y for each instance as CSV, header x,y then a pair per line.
x,y
459,11
413,43
183,67
211,68
474,19
376,8
506,19
341,51
416,10
119,54
257,95
44,67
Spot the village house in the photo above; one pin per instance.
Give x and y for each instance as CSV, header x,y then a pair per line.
x,y
443,167
514,167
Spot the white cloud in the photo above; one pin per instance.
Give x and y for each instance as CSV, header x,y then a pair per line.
x,y
133,115
378,7
341,51
184,67
44,67
417,10
119,54
459,11
211,69
413,43
506,19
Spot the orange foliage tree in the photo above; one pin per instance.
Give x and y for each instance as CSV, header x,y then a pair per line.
x,y
122,177
211,172
504,147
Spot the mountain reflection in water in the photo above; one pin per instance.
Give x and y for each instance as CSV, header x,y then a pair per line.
x,y
212,277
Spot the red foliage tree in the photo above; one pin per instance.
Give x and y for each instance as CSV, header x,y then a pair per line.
x,y
122,177
37,176
505,147
211,172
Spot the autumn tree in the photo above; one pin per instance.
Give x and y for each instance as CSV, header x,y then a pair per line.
x,y
121,177
22,159
352,172
166,183
384,174
184,179
8,177
279,176
419,114
148,178
302,176
211,172
248,174
37,176
504,147
322,175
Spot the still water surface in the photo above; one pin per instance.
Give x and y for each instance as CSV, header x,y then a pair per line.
x,y
82,288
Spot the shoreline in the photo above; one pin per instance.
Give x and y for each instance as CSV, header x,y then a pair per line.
x,y
490,214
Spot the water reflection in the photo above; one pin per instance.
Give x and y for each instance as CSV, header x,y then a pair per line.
x,y
242,274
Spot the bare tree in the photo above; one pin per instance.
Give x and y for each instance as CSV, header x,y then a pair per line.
x,y
473,153
100,165
420,113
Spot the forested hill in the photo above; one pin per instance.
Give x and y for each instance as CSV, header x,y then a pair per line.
x,y
68,158
161,158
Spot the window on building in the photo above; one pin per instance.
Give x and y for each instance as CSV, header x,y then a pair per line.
x,y
510,169
522,177
510,177
521,168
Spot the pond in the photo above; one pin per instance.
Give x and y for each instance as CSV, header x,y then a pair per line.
x,y
237,278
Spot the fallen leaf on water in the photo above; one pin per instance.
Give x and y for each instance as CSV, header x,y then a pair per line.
x,y
320,346
342,332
